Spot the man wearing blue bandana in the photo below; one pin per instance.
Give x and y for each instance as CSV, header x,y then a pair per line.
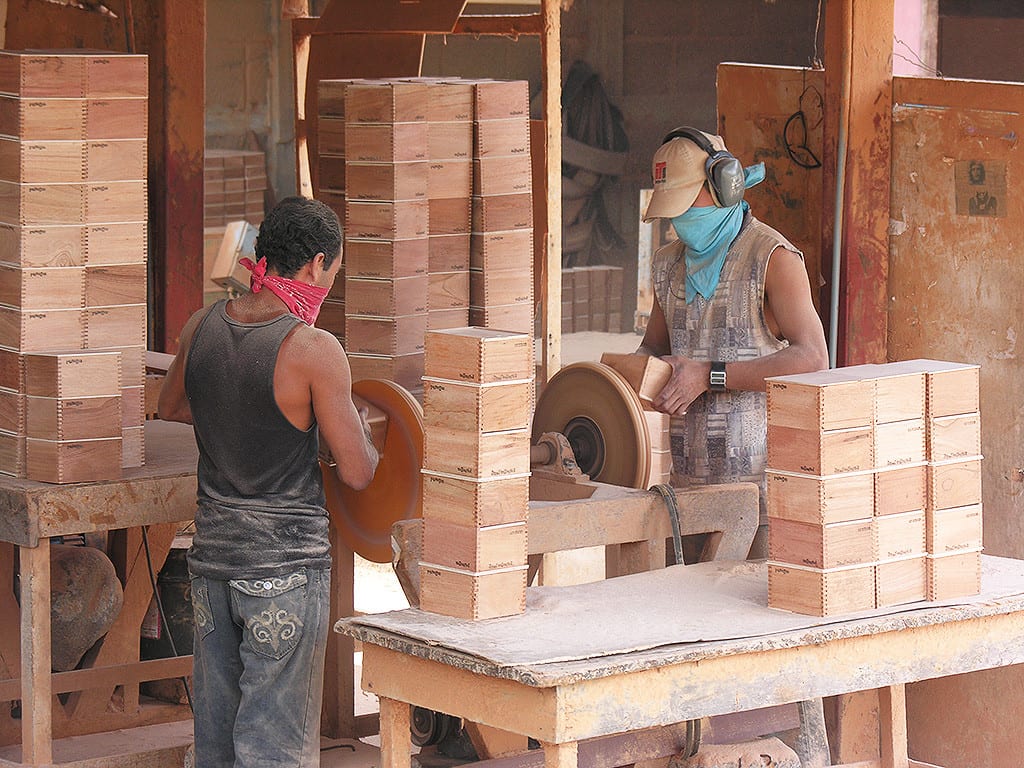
x,y
732,307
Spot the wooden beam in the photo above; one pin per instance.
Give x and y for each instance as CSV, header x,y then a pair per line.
x,y
96,677
395,750
551,266
37,704
506,26
892,726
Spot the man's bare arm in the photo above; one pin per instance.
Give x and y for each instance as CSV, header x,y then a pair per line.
x,y
173,402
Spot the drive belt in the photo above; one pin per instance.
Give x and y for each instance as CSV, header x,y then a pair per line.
x,y
668,495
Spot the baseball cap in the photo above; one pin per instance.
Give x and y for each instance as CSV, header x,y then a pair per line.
x,y
678,173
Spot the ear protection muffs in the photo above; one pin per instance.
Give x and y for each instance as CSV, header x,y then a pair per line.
x,y
723,170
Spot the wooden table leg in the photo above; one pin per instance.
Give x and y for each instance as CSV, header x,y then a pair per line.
x,y
564,755
36,690
892,726
395,741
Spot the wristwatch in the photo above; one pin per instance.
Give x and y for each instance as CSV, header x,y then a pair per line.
x,y
716,381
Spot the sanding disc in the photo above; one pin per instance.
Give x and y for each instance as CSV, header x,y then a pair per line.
x,y
364,518
601,417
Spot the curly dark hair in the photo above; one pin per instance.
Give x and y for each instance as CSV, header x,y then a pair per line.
x,y
294,231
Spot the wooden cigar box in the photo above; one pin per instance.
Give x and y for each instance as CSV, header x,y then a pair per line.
x,y
333,199
330,172
818,592
468,501
391,143
661,467
954,483
580,317
814,452
32,75
450,102
448,290
116,75
133,406
469,453
115,159
32,119
41,162
502,175
449,253
79,418
451,141
330,136
954,575
954,437
501,99
42,288
41,330
580,285
12,454
832,545
133,364
951,388
330,96
385,335
822,400
404,370
121,243
386,181
476,596
450,216
956,529
107,285
332,317
112,326
901,535
507,317
501,286
12,411
440,319
474,549
512,249
116,118
386,298
477,407
899,393
386,258
450,179
73,461
898,443
387,220
658,425
133,447
70,375
36,204
502,138
820,500
502,212
479,355
645,375
386,102
112,201
901,581
12,370
901,489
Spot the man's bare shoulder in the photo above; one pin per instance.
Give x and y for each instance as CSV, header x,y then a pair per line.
x,y
314,349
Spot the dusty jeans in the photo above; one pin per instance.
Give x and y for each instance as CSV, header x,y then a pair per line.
x,y
258,669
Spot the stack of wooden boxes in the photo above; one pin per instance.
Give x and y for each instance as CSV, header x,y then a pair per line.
x,y
852,453
592,299
234,185
73,211
476,465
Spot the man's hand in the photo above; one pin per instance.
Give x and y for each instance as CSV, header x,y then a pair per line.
x,y
688,382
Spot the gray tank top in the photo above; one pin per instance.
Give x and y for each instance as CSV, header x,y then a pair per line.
x,y
260,508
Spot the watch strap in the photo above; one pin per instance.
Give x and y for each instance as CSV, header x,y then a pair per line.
x,y
716,380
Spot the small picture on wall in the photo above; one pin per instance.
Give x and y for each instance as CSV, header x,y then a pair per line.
x,y
980,187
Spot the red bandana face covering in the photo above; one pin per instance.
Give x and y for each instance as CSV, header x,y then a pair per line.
x,y
302,299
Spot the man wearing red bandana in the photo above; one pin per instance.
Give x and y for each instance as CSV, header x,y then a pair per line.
x,y
264,390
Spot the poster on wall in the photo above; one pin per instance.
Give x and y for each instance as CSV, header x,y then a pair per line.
x,y
980,187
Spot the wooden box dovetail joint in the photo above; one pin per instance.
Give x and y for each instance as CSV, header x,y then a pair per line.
x,y
822,400
73,374
41,330
115,243
472,502
37,119
661,467
899,391
331,97
901,489
386,102
832,545
502,212
658,424
133,364
451,141
501,99
45,75
405,370
512,249
449,179
646,375
387,220
133,406
954,437
469,453
386,259
440,319
449,216
330,172
954,483
386,181
392,143
126,118
819,592
401,335
820,500
386,298
476,596
450,101
115,326
42,288
898,443
133,447
812,452
107,285
73,461
901,535
12,454
500,286
901,581
41,162
115,201
502,175
477,407
42,246
36,204
954,575
449,253
480,355
330,136
78,418
951,388
510,317
13,410
955,529
502,138
12,370
448,290
474,549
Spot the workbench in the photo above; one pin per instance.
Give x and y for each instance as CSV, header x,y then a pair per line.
x,y
490,672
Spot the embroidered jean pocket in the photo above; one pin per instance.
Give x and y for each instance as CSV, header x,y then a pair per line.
x,y
272,609
201,612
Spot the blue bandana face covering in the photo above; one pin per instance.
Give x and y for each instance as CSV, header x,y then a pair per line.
x,y
707,234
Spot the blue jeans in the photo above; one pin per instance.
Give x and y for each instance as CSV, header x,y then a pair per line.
x,y
259,669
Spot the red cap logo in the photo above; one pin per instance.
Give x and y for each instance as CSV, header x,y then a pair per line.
x,y
660,172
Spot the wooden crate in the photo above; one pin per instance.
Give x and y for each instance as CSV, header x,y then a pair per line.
x,y
448,253
820,500
404,370
41,330
330,172
133,364
36,119
448,290
951,388
386,181
468,501
387,220
386,298
451,140
500,213
954,575
474,549
112,201
332,317
115,284
812,452
468,453
441,319
73,461
816,592
449,179
504,250
115,159
508,317
898,443
79,418
391,143
330,136
822,400
450,100
38,74
13,409
386,102
477,407
331,97
333,199
110,75
901,535
392,336
41,162
954,437
133,447
500,286
48,246
899,392
42,288
954,483
124,118
954,530
501,138
34,204
502,175
133,406
501,99
646,375
479,355
115,326
476,596
832,545
449,215
12,454
901,581
67,375
12,370
386,259
901,489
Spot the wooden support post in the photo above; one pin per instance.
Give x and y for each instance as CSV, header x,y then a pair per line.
x,y
300,41
551,266
892,726
37,694
395,751
564,755
338,718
